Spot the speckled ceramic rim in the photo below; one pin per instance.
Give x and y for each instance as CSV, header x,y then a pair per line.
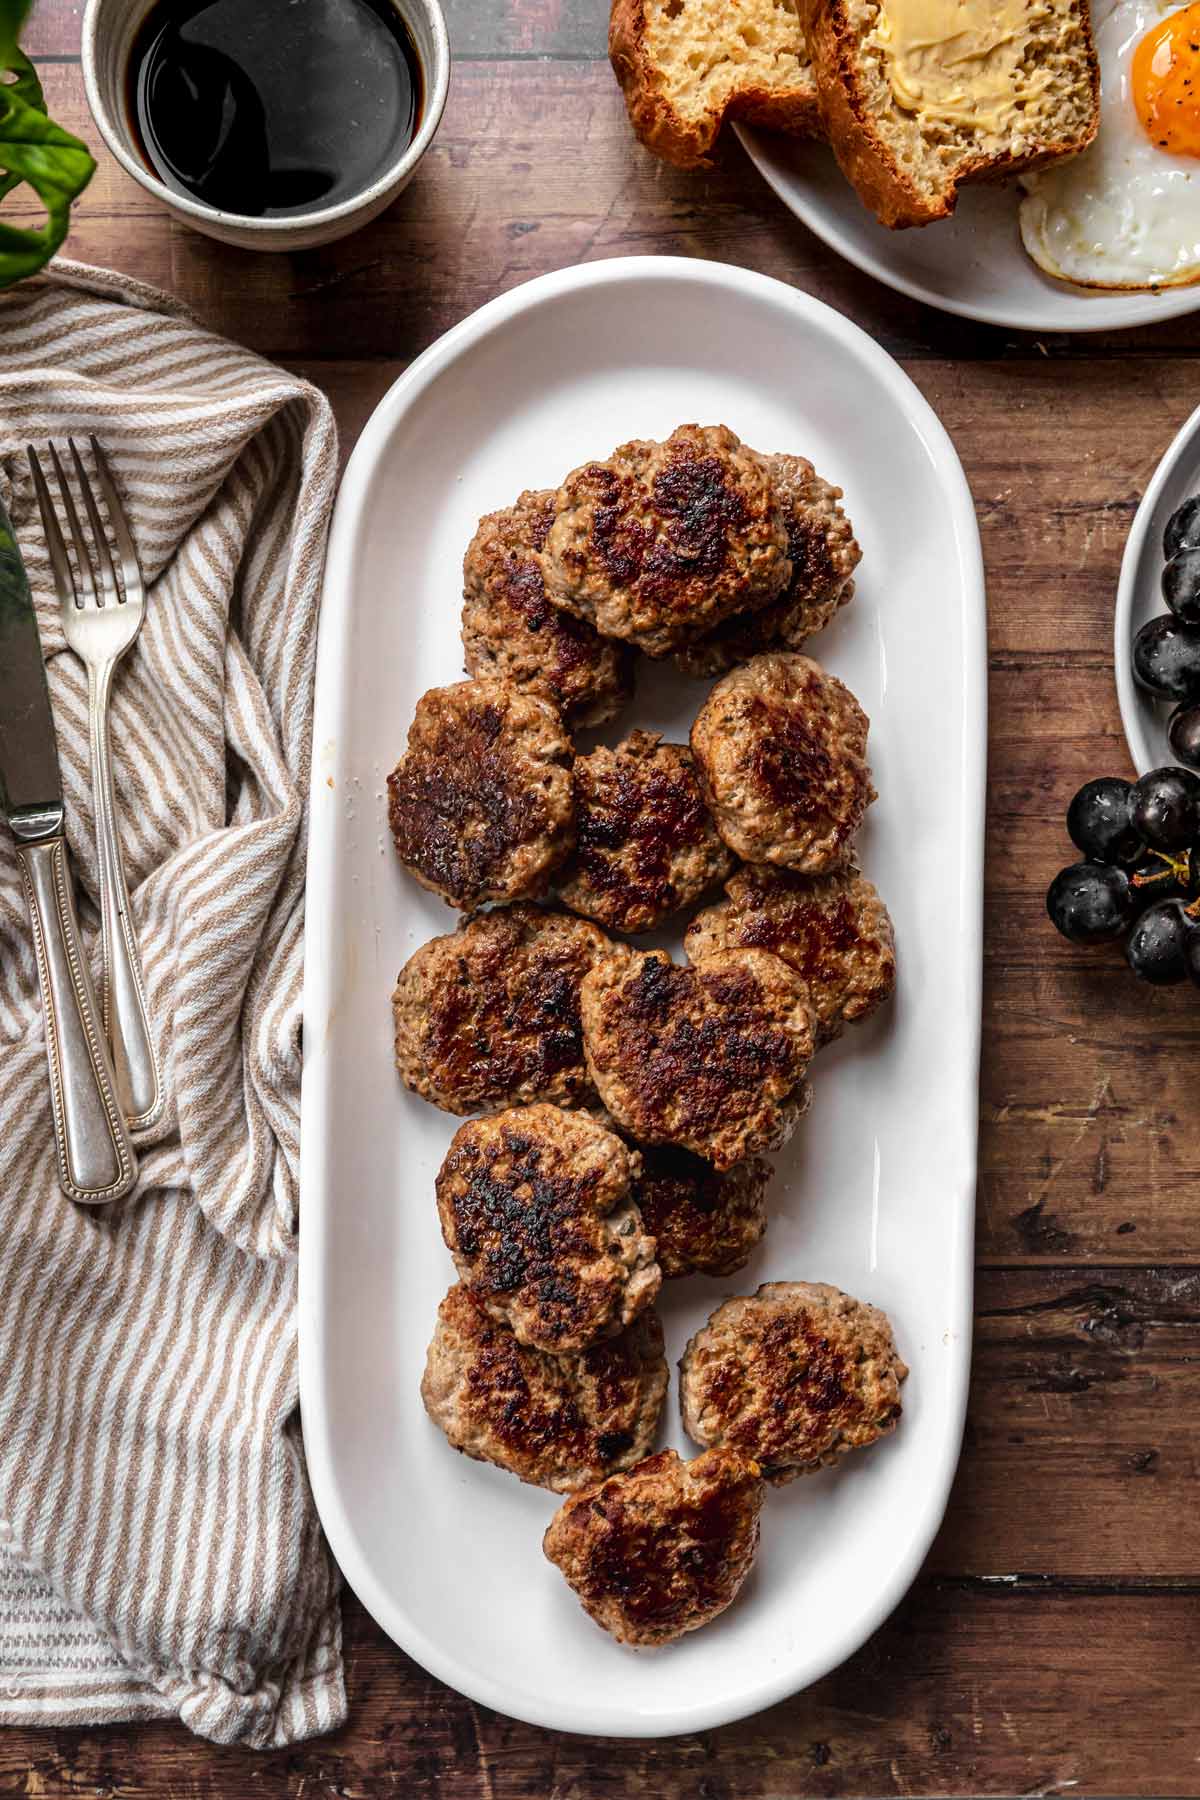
x,y
837,219
1138,598
108,31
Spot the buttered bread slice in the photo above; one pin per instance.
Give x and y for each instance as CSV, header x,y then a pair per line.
x,y
919,96
685,66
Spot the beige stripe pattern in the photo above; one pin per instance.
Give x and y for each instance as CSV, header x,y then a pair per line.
x,y
159,1548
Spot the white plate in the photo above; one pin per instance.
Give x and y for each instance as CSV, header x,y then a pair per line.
x,y
1139,596
971,264
876,1195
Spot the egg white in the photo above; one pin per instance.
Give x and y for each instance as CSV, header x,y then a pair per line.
x,y
1122,214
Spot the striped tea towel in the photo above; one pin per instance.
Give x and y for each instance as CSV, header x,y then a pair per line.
x,y
159,1548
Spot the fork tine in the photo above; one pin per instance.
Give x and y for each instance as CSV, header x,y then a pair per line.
x,y
60,562
131,570
108,573
81,550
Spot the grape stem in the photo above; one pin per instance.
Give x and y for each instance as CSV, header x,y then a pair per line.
x,y
1174,868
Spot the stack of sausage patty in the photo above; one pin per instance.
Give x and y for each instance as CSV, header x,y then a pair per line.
x,y
618,1104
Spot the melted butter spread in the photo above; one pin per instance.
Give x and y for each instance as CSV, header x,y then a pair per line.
x,y
960,61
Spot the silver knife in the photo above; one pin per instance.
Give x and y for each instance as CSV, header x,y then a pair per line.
x,y
96,1162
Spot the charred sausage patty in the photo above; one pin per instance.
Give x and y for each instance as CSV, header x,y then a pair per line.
x,y
559,1422
537,1210
824,555
834,930
661,542
703,1221
481,804
645,846
781,748
709,1057
662,1550
795,1376
488,1015
510,630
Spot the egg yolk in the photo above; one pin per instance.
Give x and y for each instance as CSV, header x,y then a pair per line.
x,y
1165,78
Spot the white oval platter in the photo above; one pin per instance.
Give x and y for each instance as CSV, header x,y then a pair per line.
x,y
876,1193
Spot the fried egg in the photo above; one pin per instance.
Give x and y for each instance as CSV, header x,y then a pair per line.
x,y
1126,212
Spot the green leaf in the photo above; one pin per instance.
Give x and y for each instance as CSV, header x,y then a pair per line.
x,y
13,14
28,88
37,152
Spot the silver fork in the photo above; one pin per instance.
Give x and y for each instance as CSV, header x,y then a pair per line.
x,y
101,618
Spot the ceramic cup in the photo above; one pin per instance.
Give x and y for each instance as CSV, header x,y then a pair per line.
x,y
109,30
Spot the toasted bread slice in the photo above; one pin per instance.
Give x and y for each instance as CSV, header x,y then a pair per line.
x,y
919,96
685,66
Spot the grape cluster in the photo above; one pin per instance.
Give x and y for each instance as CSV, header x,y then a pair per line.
x,y
1141,878
1166,651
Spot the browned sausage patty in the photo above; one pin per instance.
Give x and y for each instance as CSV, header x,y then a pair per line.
x,y
645,844
481,804
834,930
556,1421
781,748
824,556
703,1221
537,1210
664,540
710,1058
510,630
488,1015
794,1376
662,1550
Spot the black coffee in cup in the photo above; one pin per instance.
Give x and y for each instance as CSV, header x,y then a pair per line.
x,y
273,108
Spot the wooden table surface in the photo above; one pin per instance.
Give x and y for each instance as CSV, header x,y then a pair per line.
x,y
1051,1644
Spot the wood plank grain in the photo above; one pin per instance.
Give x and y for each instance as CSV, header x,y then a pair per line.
x,y
1067,1548
1051,1640
1088,1149
1058,453
969,1689
53,28
1079,1449
534,168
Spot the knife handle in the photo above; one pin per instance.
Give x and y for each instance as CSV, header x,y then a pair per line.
x,y
96,1162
